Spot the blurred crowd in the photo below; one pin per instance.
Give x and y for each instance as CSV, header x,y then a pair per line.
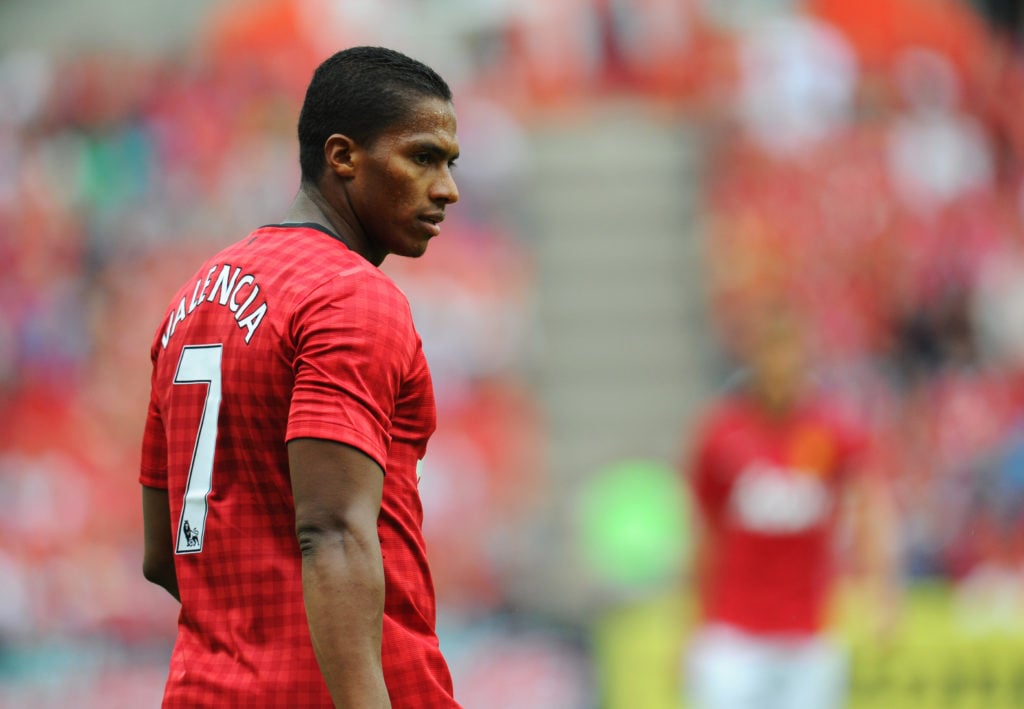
x,y
864,162
870,175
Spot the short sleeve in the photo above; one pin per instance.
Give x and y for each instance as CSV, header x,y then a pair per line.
x,y
857,449
153,469
353,342
706,477
851,436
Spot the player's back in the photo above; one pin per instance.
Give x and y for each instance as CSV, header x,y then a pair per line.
x,y
223,379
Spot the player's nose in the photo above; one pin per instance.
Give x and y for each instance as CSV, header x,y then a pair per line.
x,y
444,190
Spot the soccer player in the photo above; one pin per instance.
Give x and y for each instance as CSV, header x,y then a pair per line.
x,y
290,406
772,464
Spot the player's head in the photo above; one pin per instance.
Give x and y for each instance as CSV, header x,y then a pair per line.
x,y
361,92
775,350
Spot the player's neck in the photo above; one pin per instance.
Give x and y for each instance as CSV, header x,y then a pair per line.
x,y
775,406
311,206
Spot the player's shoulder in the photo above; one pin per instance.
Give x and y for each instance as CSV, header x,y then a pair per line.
x,y
726,412
319,269
316,259
308,246
839,414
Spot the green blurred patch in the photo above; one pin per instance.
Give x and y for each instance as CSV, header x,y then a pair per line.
x,y
634,528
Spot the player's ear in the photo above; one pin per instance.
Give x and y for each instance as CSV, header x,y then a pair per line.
x,y
340,154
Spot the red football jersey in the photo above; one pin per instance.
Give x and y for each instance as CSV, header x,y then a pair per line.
x,y
286,334
767,490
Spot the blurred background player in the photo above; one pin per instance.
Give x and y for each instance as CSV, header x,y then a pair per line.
x,y
291,404
772,463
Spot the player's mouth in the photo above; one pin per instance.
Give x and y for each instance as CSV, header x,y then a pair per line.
x,y
432,222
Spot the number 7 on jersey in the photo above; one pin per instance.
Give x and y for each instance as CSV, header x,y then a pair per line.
x,y
199,364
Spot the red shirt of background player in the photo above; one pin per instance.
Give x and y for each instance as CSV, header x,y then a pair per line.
x,y
767,488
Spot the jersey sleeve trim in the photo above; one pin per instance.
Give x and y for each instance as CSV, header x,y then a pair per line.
x,y
153,478
339,433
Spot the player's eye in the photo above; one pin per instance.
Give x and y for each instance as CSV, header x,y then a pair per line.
x,y
421,158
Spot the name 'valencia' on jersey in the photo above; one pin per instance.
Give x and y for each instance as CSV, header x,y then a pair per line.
x,y
227,290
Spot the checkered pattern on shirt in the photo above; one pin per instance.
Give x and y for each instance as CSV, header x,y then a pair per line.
x,y
335,357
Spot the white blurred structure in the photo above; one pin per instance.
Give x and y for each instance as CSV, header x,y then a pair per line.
x,y
797,81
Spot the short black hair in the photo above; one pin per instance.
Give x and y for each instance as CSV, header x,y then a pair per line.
x,y
360,92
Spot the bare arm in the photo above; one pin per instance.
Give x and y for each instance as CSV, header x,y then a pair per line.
x,y
876,547
158,556
337,492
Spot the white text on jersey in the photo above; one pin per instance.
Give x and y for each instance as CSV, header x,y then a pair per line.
x,y
777,500
228,288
